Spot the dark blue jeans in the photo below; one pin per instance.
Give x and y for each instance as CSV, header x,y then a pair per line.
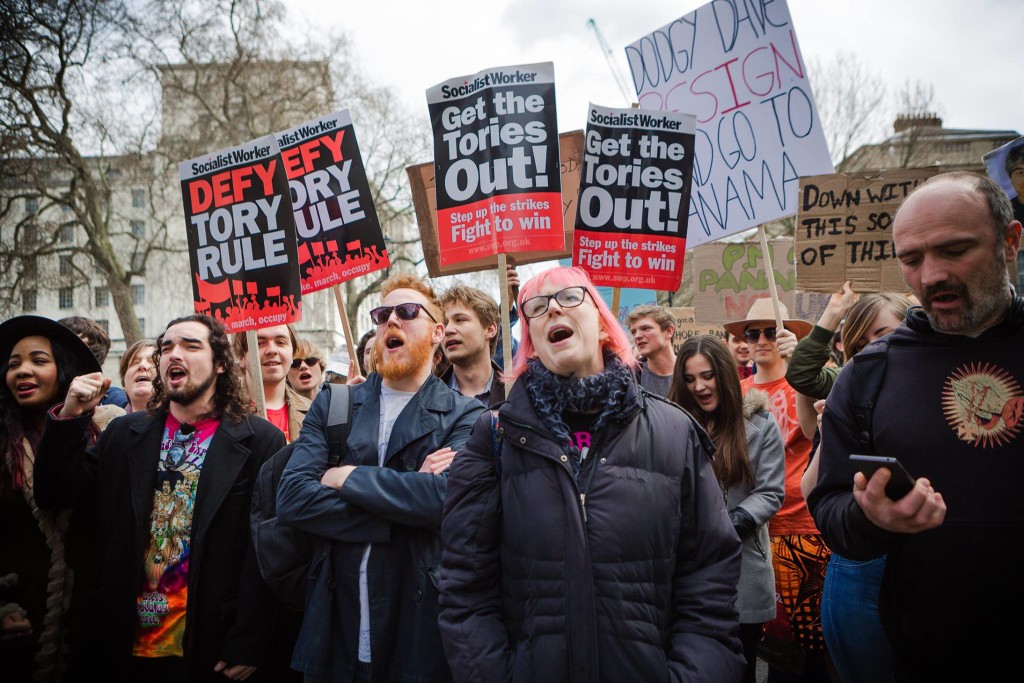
x,y
849,620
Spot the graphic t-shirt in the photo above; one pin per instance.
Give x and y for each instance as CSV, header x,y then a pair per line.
x,y
793,517
279,418
391,405
164,585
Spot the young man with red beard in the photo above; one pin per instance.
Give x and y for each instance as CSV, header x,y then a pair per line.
x,y
372,608
165,495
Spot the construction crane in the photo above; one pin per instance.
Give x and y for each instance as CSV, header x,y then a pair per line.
x,y
619,80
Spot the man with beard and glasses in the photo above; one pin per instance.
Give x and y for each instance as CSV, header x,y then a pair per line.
x,y
950,409
372,606
166,494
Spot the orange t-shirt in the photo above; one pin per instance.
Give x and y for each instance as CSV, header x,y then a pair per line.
x,y
793,517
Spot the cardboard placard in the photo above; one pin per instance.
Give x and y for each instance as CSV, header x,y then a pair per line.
x,y
241,236
687,326
339,235
844,229
737,67
729,277
421,178
634,198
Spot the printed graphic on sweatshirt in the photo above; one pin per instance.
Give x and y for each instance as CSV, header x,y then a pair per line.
x,y
983,404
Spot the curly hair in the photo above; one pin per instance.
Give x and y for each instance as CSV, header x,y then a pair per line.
x,y
231,396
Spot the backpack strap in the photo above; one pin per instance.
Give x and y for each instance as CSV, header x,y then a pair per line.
x,y
339,414
868,374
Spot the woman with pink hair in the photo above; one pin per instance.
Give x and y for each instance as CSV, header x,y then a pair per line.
x,y
584,533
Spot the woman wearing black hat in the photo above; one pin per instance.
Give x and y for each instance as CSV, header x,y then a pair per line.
x,y
38,359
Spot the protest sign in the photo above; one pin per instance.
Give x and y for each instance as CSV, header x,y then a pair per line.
x,y
634,198
339,235
496,161
736,65
844,229
241,236
687,327
421,178
729,277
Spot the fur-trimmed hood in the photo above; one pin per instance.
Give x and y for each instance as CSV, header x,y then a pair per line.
x,y
755,400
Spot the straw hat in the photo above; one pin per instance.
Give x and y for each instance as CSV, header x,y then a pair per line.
x,y
761,314
15,329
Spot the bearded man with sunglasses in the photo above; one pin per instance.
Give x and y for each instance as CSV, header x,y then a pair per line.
x,y
165,495
372,606
799,556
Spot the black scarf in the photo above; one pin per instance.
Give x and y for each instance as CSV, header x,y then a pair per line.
x,y
610,392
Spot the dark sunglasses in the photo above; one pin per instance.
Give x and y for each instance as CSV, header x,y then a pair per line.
x,y
408,311
176,453
310,362
752,334
570,297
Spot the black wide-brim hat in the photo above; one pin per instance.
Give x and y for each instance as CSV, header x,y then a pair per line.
x,y
15,329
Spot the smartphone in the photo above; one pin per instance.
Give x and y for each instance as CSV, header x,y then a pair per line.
x,y
900,483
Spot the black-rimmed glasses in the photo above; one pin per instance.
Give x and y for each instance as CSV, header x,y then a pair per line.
x,y
179,446
752,334
310,362
570,297
407,311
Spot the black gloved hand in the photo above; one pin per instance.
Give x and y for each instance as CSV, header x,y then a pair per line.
x,y
742,522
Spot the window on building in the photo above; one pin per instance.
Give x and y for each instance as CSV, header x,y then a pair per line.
x,y
102,296
66,266
31,234
139,229
28,300
66,298
65,202
114,173
67,233
104,323
139,199
31,205
139,295
142,326
138,260
28,267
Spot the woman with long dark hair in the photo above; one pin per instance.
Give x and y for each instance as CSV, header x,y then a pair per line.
x,y
38,359
584,535
750,463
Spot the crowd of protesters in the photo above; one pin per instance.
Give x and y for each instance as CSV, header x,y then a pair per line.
x,y
608,508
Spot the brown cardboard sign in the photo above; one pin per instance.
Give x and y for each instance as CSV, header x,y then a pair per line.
x,y
728,277
421,178
844,229
687,327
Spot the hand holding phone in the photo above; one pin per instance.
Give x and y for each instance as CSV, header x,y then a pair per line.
x,y
899,484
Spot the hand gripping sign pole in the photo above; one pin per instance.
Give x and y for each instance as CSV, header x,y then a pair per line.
x,y
770,273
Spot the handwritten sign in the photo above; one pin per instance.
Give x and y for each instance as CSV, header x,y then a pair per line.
x,y
421,179
844,229
736,65
729,277
687,327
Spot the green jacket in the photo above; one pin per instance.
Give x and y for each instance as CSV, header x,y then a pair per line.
x,y
807,372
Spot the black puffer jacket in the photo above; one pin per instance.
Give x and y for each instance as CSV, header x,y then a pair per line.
x,y
644,589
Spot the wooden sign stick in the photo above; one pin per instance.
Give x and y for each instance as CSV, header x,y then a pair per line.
x,y
255,373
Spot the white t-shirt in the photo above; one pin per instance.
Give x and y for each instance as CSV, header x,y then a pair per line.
x,y
392,403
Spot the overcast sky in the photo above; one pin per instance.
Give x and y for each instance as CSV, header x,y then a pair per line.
x,y
969,51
